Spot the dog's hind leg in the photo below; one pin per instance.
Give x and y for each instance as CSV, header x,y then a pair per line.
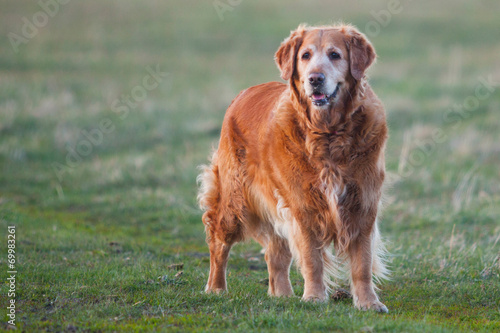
x,y
225,213
219,254
222,232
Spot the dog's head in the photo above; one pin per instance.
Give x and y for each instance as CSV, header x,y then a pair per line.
x,y
324,62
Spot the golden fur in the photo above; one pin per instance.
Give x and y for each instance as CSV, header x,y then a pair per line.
x,y
300,166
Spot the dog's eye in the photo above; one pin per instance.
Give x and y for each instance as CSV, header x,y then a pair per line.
x,y
334,55
306,56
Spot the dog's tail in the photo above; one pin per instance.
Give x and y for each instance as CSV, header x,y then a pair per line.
x,y
332,268
208,193
380,257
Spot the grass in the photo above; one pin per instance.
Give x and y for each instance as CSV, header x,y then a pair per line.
x,y
94,245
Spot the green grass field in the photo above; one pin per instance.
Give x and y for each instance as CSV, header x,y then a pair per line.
x,y
98,161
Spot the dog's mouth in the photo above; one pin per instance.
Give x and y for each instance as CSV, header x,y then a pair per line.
x,y
319,99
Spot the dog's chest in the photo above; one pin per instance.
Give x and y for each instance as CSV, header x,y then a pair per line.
x,y
335,160
334,151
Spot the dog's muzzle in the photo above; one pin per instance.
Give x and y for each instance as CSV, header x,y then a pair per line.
x,y
320,99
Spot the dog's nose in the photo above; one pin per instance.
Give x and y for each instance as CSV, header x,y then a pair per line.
x,y
315,79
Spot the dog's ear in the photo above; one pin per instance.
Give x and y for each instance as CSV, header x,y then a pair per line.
x,y
285,57
361,52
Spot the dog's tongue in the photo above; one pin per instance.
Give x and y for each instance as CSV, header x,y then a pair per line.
x,y
318,96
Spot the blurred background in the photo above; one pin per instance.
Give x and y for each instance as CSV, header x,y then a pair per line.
x,y
108,107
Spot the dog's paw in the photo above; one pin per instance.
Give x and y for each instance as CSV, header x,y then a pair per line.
x,y
281,294
315,298
216,291
376,306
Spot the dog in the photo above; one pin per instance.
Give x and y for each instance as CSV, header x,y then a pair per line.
x,y
300,169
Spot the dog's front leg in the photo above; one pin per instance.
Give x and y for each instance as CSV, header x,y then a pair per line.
x,y
361,258
311,264
279,258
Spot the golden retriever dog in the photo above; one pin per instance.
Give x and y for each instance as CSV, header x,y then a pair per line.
x,y
300,168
